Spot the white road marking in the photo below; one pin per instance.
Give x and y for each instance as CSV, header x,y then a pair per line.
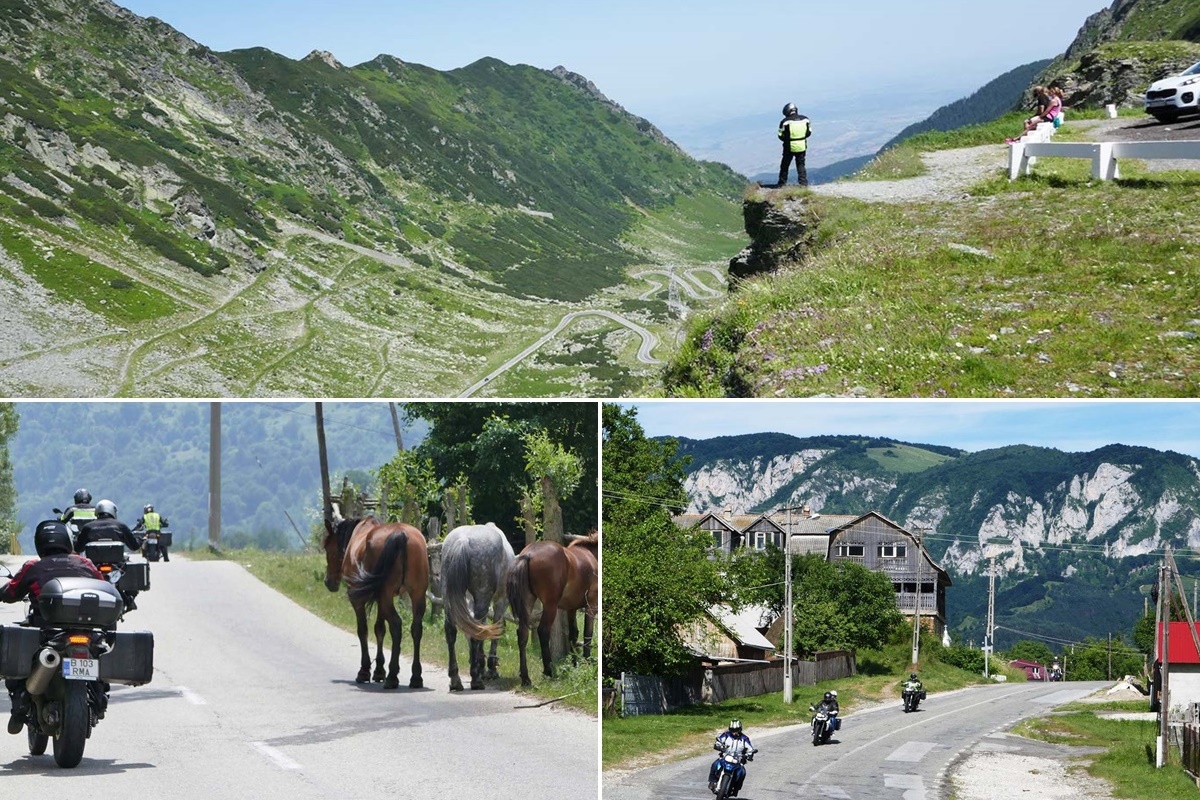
x,y
911,751
913,786
834,793
281,761
192,697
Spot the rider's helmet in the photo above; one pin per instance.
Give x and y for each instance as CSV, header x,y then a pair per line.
x,y
82,497
912,677
51,537
829,695
735,726
834,693
149,507
106,508
790,109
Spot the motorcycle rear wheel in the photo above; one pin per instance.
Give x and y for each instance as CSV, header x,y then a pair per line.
x,y
37,741
151,552
72,734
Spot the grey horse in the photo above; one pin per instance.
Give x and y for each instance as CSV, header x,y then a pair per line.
x,y
475,561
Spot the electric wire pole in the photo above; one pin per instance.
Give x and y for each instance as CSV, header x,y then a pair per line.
x,y
991,617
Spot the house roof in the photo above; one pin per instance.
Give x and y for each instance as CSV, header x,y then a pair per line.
x,y
743,625
1182,646
1022,663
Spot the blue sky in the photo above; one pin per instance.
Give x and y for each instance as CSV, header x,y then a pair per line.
x,y
664,59
1070,425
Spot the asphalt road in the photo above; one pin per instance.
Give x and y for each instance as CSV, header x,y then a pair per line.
x,y
880,754
1145,129
254,697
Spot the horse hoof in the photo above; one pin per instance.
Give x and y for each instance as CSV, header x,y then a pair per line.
x,y
391,683
456,686
362,677
476,685
492,675
416,683
526,682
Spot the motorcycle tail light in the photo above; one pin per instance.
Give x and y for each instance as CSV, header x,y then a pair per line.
x,y
79,638
106,568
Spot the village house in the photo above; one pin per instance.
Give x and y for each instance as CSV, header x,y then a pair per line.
x,y
869,539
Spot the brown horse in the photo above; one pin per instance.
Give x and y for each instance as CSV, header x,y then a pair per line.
x,y
378,561
565,578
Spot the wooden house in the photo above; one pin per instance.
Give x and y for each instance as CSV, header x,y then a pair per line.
x,y
881,545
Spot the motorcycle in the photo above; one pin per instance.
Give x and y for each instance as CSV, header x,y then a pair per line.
x,y
68,661
912,696
824,723
729,760
118,569
154,543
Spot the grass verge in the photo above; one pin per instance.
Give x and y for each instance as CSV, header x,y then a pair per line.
x,y
300,576
1128,762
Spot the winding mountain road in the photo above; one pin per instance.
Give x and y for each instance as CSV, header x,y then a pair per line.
x,y
255,697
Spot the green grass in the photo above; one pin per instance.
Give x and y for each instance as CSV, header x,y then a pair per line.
x,y
300,577
904,458
1077,288
1128,760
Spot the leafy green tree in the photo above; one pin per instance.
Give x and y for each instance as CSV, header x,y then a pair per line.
x,y
840,605
1029,650
407,482
756,578
1143,633
485,443
964,657
657,576
1089,661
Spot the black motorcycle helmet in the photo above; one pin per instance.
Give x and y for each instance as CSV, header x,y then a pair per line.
x,y
790,110
735,726
82,497
828,696
912,677
51,537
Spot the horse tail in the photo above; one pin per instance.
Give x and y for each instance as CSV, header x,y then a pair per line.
x,y
518,586
366,586
456,577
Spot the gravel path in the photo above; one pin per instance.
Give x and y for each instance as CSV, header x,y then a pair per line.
x,y
1003,767
952,172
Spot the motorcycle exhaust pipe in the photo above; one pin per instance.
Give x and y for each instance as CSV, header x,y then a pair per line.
x,y
48,662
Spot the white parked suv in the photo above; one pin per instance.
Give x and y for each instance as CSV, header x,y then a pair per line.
x,y
1173,97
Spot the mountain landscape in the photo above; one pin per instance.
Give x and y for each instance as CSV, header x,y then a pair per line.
x,y
183,222
1076,537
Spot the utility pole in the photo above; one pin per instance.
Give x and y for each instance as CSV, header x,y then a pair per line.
x,y
326,495
396,427
214,475
991,618
787,603
1164,590
916,637
1110,656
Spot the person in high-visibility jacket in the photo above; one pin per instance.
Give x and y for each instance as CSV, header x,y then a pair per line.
x,y
794,131
151,522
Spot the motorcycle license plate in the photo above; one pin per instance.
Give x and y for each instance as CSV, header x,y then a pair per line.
x,y
81,669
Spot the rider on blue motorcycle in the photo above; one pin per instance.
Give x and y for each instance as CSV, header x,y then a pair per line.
x,y
737,742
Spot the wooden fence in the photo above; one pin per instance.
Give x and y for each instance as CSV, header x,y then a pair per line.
x,y
1191,750
647,694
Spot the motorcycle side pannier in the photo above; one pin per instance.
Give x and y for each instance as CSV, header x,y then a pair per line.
x,y
136,577
80,601
18,646
104,552
164,538
131,660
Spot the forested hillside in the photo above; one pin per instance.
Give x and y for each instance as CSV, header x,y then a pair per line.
x,y
138,453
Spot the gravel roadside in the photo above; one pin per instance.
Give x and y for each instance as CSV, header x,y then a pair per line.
x,y
951,172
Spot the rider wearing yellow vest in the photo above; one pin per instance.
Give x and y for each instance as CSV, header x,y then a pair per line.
x,y
794,131
151,521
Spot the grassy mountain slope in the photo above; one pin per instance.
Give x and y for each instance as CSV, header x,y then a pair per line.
x,y
243,223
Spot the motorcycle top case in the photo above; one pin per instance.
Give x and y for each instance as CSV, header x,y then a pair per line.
x,y
135,577
131,660
18,646
104,552
80,601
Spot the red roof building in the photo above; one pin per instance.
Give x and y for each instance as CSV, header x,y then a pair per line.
x,y
1182,645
